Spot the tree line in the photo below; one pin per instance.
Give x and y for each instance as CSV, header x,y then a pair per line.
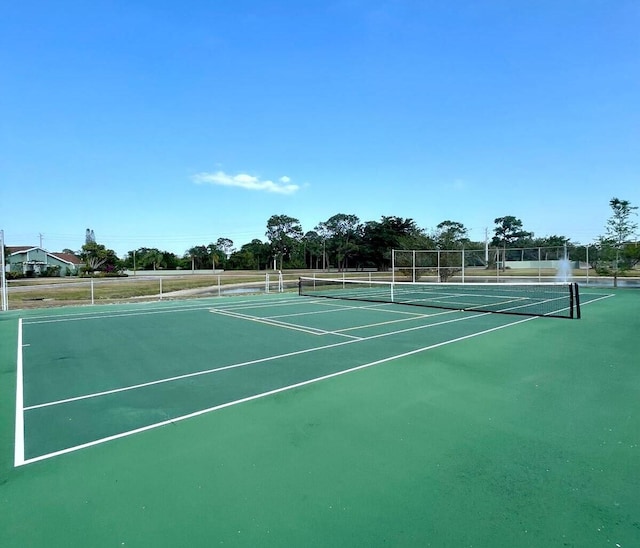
x,y
345,242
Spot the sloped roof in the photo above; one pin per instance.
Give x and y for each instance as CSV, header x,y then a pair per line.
x,y
65,257
20,248
68,257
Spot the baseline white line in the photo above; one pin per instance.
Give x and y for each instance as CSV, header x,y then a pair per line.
x,y
244,364
119,315
18,457
96,315
264,394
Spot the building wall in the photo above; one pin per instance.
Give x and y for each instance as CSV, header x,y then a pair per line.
x,y
36,262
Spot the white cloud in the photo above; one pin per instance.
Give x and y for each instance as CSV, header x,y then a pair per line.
x,y
248,182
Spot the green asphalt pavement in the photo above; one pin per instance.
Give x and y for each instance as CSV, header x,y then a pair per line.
x,y
527,435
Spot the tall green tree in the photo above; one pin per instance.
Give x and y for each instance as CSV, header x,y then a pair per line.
x,y
620,229
379,238
217,256
252,256
145,258
313,250
450,235
284,234
225,245
341,234
450,238
199,256
97,258
508,232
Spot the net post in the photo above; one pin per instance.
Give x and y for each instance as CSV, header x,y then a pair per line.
x,y
577,300
571,301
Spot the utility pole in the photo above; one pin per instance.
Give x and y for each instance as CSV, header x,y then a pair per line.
x,y
41,236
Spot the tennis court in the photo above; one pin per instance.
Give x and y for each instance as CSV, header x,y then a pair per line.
x,y
289,420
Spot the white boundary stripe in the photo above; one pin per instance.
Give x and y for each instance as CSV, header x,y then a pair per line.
x,y
269,393
244,364
201,305
124,314
19,440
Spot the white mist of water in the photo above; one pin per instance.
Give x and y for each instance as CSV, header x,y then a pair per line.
x,y
563,270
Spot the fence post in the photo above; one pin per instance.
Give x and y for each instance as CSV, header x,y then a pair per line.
x,y
413,269
539,264
5,293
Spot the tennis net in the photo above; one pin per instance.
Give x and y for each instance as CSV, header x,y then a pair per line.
x,y
529,299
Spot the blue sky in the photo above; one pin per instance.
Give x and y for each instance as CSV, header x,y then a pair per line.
x,y
172,124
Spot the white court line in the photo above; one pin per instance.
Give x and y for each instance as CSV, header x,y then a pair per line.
x,y
381,307
269,393
97,315
413,316
123,314
18,458
244,364
594,300
275,323
272,320
341,331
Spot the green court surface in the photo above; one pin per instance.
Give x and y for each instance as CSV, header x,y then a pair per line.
x,y
280,420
